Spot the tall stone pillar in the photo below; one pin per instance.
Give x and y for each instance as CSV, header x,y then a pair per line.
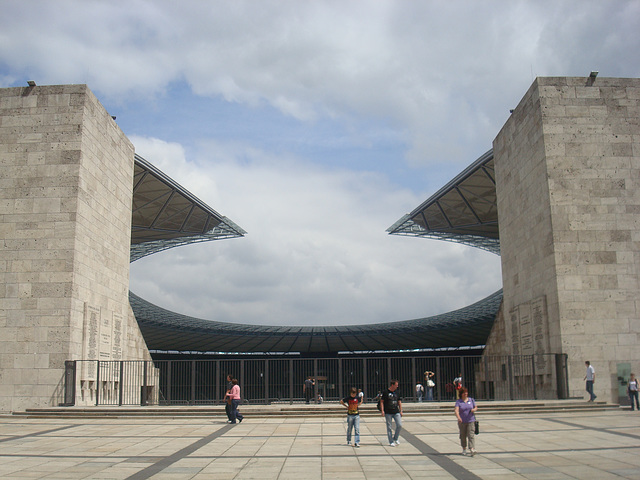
x,y
567,168
65,229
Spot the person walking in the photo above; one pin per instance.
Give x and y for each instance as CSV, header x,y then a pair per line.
x,y
234,396
227,400
590,377
391,410
632,390
352,402
307,388
465,413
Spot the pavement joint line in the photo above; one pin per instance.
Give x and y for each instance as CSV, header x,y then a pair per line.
x,y
442,460
603,430
490,453
360,453
165,462
36,434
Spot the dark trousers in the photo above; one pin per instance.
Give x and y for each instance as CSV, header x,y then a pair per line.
x,y
235,414
634,396
589,389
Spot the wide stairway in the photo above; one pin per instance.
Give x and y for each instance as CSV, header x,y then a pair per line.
x,y
304,410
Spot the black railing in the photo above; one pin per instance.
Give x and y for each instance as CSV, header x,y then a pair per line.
x,y
280,380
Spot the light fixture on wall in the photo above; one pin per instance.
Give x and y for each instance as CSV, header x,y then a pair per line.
x,y
31,83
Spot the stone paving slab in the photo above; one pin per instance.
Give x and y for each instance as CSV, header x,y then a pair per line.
x,y
564,445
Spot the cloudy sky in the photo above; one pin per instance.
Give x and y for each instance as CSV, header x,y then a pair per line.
x,y
314,126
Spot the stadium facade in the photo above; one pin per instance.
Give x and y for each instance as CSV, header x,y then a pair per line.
x,y
557,198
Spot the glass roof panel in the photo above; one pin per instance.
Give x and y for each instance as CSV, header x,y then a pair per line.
x,y
165,215
463,211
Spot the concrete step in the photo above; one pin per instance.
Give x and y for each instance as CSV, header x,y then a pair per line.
x,y
326,409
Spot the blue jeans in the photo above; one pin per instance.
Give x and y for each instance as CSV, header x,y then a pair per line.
x,y
353,422
235,414
430,394
398,419
590,390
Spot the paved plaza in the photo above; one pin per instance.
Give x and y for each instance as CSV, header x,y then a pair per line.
x,y
560,445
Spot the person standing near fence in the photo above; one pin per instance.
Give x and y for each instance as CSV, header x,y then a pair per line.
x,y
391,410
457,384
430,384
307,388
234,396
465,410
632,390
419,391
352,402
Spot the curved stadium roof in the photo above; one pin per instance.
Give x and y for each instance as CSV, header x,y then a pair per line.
x,y
165,215
165,330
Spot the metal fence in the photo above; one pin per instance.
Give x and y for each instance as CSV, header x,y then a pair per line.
x,y
281,380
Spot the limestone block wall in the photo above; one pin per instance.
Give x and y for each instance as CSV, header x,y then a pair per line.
x,y
567,180
65,225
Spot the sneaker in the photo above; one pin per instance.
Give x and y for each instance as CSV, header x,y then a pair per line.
x,y
473,452
392,444
397,442
348,444
464,451
357,445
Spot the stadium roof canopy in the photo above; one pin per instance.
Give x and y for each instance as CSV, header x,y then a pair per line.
x,y
165,215
463,211
165,330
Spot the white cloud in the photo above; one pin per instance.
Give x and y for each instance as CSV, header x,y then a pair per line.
x,y
316,251
450,68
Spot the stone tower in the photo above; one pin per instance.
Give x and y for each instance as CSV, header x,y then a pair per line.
x,y
567,168
65,216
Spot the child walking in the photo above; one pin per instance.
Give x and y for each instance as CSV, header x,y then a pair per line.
x,y
352,402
